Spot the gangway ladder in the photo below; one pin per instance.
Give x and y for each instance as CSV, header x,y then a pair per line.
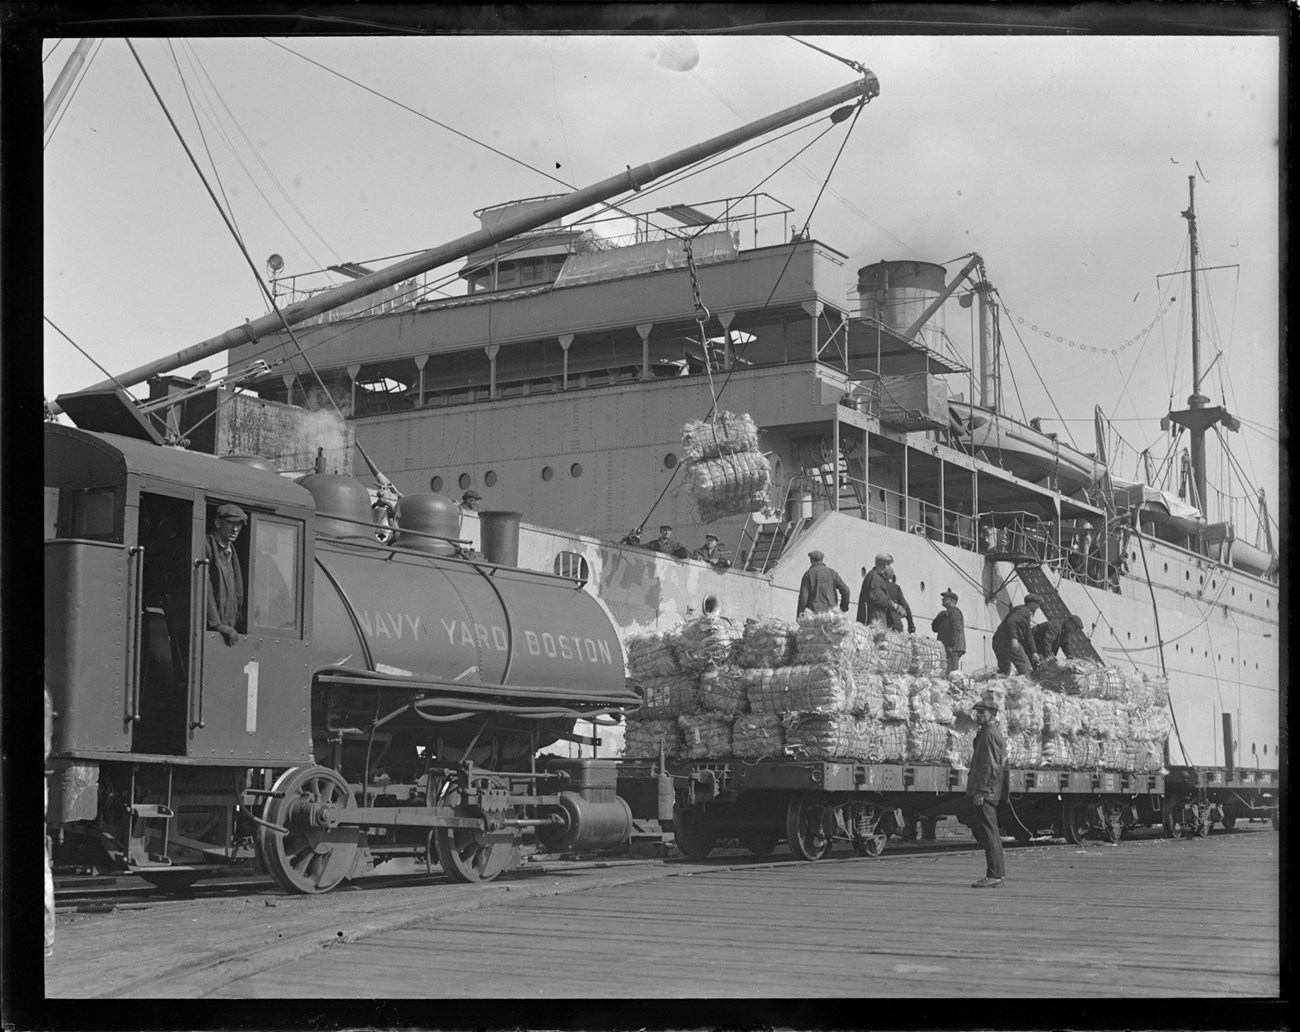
x,y
768,540
845,481
1036,581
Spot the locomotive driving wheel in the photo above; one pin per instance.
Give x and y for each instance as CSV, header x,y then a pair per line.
x,y
315,853
473,854
809,826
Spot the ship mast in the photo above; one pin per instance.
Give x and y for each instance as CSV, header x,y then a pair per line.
x,y
1197,417
862,91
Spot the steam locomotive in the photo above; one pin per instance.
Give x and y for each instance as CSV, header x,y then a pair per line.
x,y
385,697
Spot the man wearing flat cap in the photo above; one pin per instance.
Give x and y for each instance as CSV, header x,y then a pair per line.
x,y
821,587
950,628
225,603
470,500
1052,636
1013,641
984,789
876,602
711,553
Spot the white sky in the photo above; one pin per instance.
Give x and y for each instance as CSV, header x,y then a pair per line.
x,y
1063,161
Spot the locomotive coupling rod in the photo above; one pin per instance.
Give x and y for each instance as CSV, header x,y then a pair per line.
x,y
528,822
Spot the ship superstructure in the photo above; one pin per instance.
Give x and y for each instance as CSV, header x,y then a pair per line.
x,y
564,398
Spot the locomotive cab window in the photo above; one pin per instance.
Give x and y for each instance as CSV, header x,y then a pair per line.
x,y
275,600
94,513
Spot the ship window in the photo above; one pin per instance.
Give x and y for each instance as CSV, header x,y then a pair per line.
x,y
532,270
464,481
435,485
93,513
572,565
547,472
670,460
277,561
490,478
575,470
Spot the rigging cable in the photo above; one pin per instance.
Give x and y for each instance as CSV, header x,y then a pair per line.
x,y
243,250
1046,391
789,256
84,352
1160,651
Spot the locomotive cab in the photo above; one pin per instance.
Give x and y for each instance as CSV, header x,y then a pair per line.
x,y
131,664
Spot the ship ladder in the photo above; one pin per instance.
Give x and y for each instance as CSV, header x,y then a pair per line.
x,y
1036,581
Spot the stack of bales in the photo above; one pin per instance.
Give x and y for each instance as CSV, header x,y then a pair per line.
x,y
728,475
831,688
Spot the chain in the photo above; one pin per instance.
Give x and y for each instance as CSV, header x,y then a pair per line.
x,y
1087,347
701,316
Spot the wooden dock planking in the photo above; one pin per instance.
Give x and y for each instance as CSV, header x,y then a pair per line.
x,y
1151,918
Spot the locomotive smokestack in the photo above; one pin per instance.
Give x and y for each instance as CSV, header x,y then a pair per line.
x,y
499,537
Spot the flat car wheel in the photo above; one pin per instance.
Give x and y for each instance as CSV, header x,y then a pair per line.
x,y
760,843
315,855
691,834
1074,821
809,826
1171,814
465,854
872,845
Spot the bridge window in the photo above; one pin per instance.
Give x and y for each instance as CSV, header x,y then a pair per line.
x,y
573,566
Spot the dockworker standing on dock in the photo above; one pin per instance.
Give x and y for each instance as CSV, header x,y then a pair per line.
x,y
1013,641
984,789
950,628
1052,635
875,603
821,587
903,614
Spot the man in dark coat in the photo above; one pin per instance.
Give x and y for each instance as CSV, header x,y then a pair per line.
x,y
984,789
1052,635
821,586
903,614
225,602
711,553
875,603
1013,641
950,628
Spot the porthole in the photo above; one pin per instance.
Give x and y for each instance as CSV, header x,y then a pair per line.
x,y
547,472
490,478
670,460
435,485
575,470
572,565
465,480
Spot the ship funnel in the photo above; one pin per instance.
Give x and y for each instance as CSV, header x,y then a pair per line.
x,y
499,537
895,294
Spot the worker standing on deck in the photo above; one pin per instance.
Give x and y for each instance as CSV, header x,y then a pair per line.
x,y
711,553
1053,635
904,611
1013,641
470,501
984,789
875,602
950,628
821,587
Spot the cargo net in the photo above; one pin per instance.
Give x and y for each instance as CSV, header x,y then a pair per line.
x,y
727,474
831,688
